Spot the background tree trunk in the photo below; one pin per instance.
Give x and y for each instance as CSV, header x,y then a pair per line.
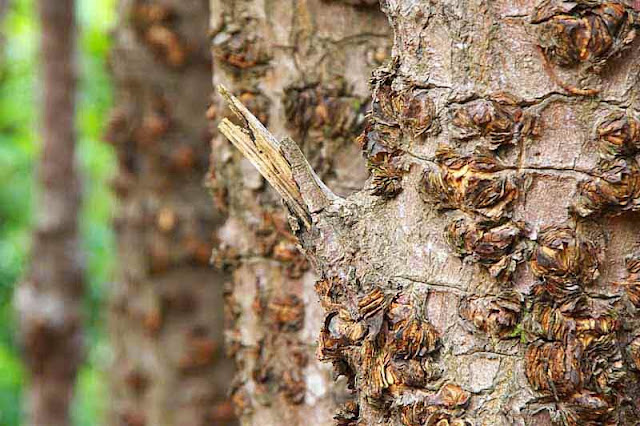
x,y
302,67
489,273
3,10
165,319
50,299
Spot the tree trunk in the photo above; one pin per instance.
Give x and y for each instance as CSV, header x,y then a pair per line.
x,y
165,319
3,38
489,272
302,66
49,301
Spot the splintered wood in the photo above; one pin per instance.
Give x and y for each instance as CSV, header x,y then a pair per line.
x,y
264,151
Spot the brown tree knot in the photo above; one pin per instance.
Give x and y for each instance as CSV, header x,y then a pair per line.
x,y
331,110
603,367
373,303
348,414
200,351
549,322
132,418
396,359
585,33
562,369
444,408
155,23
618,135
296,264
586,409
137,380
397,117
238,45
383,343
554,368
632,281
495,245
339,331
576,358
565,262
472,183
153,125
496,316
614,189
286,312
582,379
410,109
383,161
271,374
412,336
386,175
615,185
499,120
330,292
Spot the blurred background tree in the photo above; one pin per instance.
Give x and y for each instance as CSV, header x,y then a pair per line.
x,y
19,147
166,304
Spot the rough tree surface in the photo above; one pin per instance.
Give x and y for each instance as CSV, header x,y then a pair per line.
x,y
49,300
303,67
166,315
489,272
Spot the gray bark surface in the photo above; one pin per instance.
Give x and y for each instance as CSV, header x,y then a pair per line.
x,y
488,272
165,315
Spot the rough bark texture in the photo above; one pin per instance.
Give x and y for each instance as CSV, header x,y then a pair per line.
x,y
49,301
302,66
489,272
166,315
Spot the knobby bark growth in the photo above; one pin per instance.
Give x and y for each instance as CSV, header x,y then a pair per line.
x,y
301,66
488,274
49,300
165,316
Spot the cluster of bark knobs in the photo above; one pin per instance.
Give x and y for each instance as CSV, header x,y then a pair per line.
x,y
452,165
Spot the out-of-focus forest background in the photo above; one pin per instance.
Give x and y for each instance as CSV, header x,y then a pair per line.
x,y
19,141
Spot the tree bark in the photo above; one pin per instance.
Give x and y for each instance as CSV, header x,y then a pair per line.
x,y
165,316
489,272
49,301
302,67
3,10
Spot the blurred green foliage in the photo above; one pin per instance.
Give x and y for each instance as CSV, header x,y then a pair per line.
x,y
19,146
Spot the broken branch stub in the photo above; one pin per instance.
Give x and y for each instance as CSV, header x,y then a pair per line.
x,y
281,163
